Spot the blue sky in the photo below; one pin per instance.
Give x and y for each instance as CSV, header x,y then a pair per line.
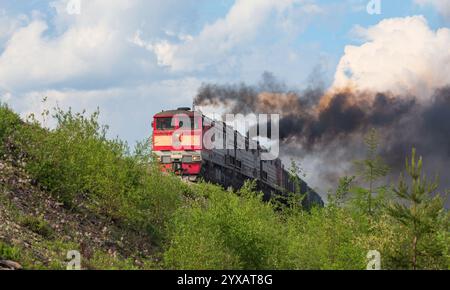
x,y
134,58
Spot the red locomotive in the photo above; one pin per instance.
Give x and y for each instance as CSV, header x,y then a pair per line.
x,y
178,142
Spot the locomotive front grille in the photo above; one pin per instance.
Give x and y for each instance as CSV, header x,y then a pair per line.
x,y
187,159
166,159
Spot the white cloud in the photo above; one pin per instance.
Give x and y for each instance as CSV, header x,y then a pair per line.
x,y
401,55
163,50
31,58
242,24
63,49
9,24
85,61
94,47
442,6
133,58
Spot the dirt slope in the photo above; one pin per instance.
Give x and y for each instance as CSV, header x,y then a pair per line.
x,y
43,230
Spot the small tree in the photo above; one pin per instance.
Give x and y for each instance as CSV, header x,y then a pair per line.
x,y
339,197
295,199
417,210
371,169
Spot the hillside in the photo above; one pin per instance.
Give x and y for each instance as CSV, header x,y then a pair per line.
x,y
42,230
72,188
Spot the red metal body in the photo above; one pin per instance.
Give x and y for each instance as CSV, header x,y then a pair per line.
x,y
178,135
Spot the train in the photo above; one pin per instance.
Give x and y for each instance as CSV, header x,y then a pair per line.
x,y
178,143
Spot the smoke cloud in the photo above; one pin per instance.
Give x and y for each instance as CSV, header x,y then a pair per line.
x,y
397,81
326,130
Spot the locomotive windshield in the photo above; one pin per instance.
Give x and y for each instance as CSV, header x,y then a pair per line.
x,y
194,123
164,123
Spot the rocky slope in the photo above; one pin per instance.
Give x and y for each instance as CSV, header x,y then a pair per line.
x,y
41,230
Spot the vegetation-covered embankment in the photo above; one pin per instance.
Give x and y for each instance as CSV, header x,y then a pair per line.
x,y
72,188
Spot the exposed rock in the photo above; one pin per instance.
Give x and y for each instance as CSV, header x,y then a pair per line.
x,y
9,265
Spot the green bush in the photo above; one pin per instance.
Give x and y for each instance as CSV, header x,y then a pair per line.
x,y
37,225
225,232
77,159
9,122
325,239
443,240
76,162
9,253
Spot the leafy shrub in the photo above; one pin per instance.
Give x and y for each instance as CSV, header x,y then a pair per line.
x,y
76,162
38,226
75,158
324,239
9,122
443,240
9,253
225,232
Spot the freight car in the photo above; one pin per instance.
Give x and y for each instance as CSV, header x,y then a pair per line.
x,y
179,143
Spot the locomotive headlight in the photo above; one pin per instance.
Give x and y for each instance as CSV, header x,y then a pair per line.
x,y
196,158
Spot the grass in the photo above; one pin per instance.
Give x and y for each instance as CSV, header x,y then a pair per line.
x,y
8,252
197,226
37,225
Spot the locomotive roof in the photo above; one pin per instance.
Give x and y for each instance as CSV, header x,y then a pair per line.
x,y
187,111
171,113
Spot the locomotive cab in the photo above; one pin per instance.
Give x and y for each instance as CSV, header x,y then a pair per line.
x,y
177,141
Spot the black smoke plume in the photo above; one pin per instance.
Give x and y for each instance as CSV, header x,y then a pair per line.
x,y
331,126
